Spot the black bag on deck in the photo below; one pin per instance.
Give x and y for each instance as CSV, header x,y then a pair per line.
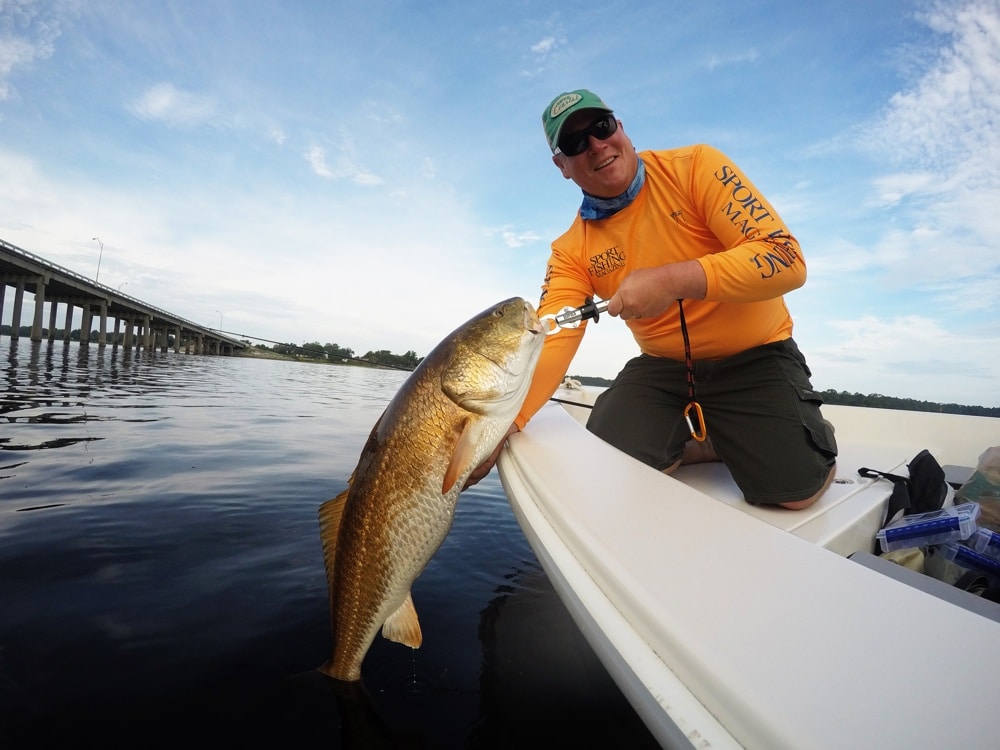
x,y
924,490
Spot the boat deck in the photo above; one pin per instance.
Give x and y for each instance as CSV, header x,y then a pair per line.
x,y
851,511
844,520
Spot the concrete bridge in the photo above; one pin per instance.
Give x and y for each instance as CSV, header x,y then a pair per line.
x,y
145,326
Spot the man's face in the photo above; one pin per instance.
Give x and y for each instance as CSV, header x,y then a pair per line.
x,y
605,168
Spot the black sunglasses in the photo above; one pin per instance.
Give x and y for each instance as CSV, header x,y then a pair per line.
x,y
576,143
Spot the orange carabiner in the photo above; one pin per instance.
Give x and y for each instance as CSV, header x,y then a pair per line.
x,y
700,437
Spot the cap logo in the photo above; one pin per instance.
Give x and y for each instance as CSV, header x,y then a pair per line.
x,y
563,103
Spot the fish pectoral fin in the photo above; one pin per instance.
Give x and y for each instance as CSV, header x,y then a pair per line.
x,y
330,514
463,455
403,625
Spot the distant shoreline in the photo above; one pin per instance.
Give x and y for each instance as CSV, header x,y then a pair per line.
x,y
840,398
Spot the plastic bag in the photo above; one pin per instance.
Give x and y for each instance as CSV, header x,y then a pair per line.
x,y
983,487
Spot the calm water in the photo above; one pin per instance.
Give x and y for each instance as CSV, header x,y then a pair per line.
x,y
161,577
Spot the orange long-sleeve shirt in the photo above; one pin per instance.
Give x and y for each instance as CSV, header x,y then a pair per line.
x,y
695,204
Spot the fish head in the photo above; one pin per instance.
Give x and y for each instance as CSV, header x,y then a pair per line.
x,y
493,358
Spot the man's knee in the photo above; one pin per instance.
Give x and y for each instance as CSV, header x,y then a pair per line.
x,y
696,452
803,504
672,468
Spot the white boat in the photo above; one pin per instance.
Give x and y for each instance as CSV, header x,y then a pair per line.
x,y
733,626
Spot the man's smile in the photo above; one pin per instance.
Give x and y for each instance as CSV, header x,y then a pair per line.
x,y
604,163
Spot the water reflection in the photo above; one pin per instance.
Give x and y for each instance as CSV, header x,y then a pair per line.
x,y
160,571
539,686
48,383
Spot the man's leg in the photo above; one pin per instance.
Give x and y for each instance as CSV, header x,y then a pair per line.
x,y
640,413
765,422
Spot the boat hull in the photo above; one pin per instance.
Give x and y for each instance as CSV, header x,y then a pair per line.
x,y
727,627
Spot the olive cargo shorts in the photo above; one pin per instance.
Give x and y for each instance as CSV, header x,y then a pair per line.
x,y
761,414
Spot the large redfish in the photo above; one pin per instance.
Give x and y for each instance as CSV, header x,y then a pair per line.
x,y
379,534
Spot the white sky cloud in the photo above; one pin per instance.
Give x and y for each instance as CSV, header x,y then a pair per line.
x,y
730,59
28,32
317,160
544,46
167,103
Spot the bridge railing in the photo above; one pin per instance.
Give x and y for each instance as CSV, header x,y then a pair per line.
x,y
49,265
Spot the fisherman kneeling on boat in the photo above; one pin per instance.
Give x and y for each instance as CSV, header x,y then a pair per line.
x,y
696,262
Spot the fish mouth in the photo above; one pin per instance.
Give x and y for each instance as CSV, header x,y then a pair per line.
x,y
532,323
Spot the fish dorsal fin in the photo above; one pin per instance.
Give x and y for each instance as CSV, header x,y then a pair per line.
x,y
462,457
403,625
330,514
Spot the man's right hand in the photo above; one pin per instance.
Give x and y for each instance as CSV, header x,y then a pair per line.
x,y
648,292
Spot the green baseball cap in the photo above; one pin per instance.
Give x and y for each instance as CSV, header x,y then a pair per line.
x,y
556,114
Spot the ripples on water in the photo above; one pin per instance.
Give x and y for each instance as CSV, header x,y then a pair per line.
x,y
161,576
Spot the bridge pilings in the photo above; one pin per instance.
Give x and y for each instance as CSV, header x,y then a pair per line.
x,y
145,326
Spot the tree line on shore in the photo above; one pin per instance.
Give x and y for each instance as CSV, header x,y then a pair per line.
x,y
336,354
879,401
874,400
344,355
408,361
871,400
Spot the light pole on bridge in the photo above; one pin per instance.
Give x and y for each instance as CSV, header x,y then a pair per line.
x,y
101,255
220,321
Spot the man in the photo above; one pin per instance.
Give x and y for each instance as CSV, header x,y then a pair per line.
x,y
696,262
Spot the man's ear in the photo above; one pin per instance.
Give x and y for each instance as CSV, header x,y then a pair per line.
x,y
560,161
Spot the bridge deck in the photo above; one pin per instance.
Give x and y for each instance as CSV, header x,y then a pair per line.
x,y
52,285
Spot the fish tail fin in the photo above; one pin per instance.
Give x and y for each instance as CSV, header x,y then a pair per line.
x,y
330,514
403,625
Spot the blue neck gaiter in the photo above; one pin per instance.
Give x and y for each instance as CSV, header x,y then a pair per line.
x,y
601,208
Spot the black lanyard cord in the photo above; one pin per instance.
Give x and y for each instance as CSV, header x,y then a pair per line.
x,y
699,433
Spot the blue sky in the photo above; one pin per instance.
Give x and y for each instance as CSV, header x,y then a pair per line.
x,y
373,174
